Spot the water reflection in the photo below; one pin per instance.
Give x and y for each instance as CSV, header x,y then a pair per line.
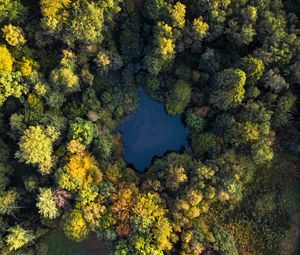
x,y
150,131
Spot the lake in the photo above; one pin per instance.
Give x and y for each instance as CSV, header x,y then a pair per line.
x,y
149,131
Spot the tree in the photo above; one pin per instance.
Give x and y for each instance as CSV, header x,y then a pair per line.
x,y
33,109
18,237
12,84
46,204
63,19
26,67
176,177
177,13
179,98
253,67
75,227
204,142
274,80
6,60
146,210
8,201
65,77
106,60
225,241
283,111
81,170
154,10
13,35
229,88
200,28
194,121
83,130
36,147
12,11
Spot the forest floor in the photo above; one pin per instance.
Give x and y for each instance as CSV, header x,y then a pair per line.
x,y
138,3
290,245
58,244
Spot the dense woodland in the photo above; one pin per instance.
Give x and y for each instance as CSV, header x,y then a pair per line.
x,y
70,71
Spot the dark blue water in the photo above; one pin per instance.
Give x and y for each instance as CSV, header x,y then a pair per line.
x,y
149,132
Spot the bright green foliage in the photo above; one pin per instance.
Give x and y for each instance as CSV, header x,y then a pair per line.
x,y
81,170
46,204
63,19
148,214
178,15
64,76
253,67
8,202
36,147
108,60
165,42
230,89
179,98
90,30
12,10
83,130
13,35
75,226
163,52
26,68
242,133
200,28
262,152
11,84
6,60
33,108
18,237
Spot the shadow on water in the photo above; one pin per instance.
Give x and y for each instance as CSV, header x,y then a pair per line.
x,y
149,132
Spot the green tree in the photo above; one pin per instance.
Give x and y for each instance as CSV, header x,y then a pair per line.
x,y
179,98
83,130
6,60
176,176
253,67
18,237
8,202
36,147
13,35
177,13
225,241
12,11
154,10
46,204
229,88
75,227
66,78
12,84
200,28
204,142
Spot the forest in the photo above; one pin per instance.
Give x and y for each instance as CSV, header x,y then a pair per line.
x,y
70,73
